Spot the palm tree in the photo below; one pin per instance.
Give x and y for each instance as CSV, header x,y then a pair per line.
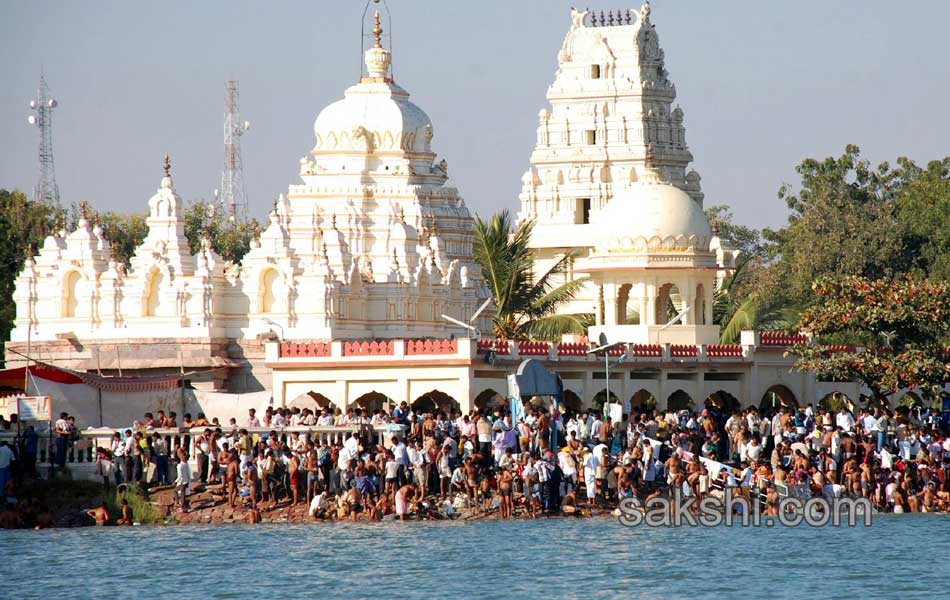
x,y
735,313
525,307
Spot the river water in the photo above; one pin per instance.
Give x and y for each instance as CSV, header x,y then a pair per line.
x,y
898,556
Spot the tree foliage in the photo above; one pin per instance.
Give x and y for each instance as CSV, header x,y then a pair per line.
x,y
923,210
745,239
905,322
737,306
525,307
231,239
843,223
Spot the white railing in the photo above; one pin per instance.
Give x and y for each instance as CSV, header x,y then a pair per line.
x,y
81,450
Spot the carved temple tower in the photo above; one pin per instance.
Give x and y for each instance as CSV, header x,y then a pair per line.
x,y
610,181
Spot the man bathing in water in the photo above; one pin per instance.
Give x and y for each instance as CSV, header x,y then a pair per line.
x,y
100,514
505,480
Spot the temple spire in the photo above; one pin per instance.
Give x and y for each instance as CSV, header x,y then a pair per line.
x,y
377,30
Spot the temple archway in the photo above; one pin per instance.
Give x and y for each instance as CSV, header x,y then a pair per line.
x,y
679,400
572,401
910,399
320,400
597,403
311,400
700,304
643,401
722,401
489,399
268,290
667,303
778,397
71,294
153,298
835,401
435,400
372,401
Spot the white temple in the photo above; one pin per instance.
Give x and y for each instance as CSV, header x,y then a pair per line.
x,y
340,300
609,181
372,244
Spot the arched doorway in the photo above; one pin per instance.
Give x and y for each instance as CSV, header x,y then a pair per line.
x,y
668,302
597,403
435,401
778,397
722,401
572,401
910,399
71,294
643,401
679,400
835,401
153,301
372,402
320,400
268,291
489,399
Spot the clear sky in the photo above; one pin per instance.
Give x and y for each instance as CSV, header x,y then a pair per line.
x,y
763,85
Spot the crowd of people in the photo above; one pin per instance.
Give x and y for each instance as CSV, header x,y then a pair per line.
x,y
439,464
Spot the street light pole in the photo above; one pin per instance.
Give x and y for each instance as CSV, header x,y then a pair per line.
x,y
604,348
275,324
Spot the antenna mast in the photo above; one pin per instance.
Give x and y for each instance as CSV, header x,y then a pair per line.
x,y
46,189
233,193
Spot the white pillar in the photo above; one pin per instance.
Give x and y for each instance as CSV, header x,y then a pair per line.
x,y
610,304
650,300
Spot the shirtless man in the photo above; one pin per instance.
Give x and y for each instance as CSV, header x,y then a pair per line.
x,y
505,480
253,483
100,514
311,464
126,518
231,476
470,469
293,472
224,458
354,499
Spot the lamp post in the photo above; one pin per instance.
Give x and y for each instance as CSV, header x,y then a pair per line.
x,y
604,348
275,324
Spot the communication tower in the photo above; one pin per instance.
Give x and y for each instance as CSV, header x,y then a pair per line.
x,y
46,189
233,193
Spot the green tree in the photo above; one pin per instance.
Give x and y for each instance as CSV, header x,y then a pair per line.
x,y
904,325
733,235
230,239
843,222
125,232
525,307
923,210
738,306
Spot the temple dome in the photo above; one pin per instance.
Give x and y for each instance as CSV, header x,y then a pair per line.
x,y
378,109
651,214
376,106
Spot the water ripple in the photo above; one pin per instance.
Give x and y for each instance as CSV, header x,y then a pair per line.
x,y
596,558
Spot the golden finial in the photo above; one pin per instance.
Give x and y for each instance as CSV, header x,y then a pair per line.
x,y
84,210
167,166
377,30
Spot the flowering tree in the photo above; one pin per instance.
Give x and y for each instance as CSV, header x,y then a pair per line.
x,y
905,323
